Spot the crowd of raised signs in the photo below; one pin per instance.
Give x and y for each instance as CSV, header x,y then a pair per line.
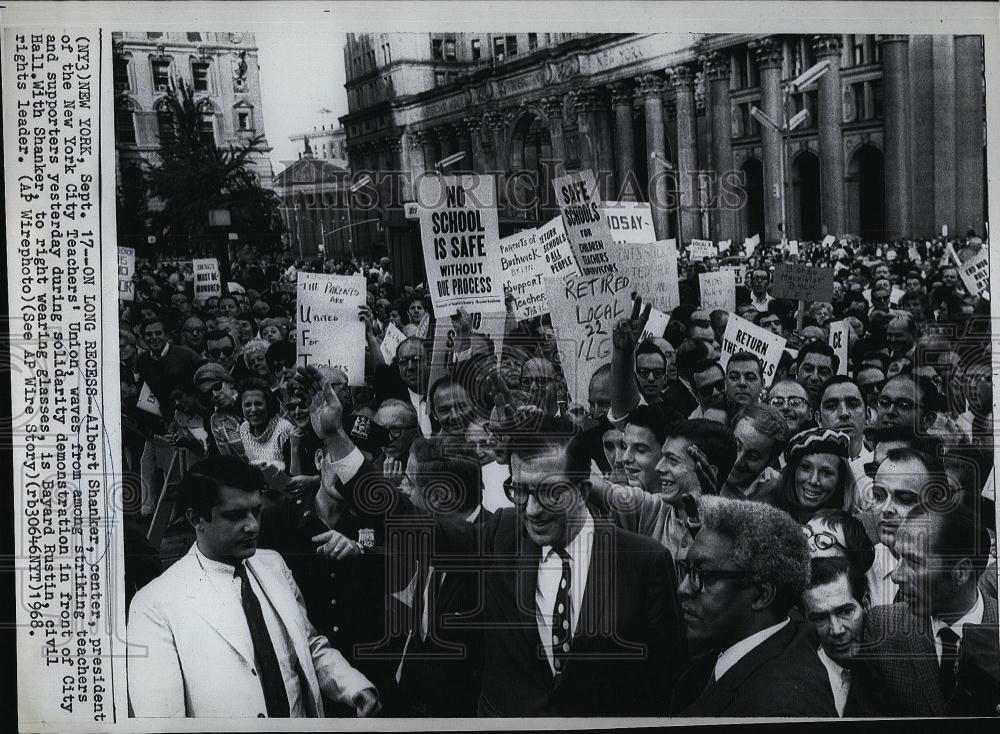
x,y
779,508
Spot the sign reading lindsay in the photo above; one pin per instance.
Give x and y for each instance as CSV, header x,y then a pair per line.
x,y
585,223
459,233
328,328
629,221
584,311
743,336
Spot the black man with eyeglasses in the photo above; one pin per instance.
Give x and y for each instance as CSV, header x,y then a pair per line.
x,y
748,566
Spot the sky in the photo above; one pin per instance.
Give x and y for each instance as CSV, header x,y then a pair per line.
x,y
300,75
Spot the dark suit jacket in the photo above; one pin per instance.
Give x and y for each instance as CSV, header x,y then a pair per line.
x,y
783,676
679,398
629,645
899,650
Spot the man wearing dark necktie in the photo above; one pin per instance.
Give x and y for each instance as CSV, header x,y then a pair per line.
x,y
223,632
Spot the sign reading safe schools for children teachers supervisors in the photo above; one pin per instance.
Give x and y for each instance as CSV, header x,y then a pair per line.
x,y
585,223
584,312
744,336
328,329
459,233
207,279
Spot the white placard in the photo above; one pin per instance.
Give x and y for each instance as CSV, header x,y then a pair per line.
x,y
793,247
700,249
391,340
750,245
459,233
558,253
147,401
656,324
828,241
328,330
126,271
586,227
839,333
522,270
207,278
652,267
743,336
718,290
975,272
724,245
629,221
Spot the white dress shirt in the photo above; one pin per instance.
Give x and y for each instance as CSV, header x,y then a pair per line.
x,y
973,616
883,589
494,475
840,680
732,655
423,409
550,573
228,587
863,481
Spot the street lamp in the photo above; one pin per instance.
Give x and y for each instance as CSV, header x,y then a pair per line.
x,y
449,160
656,157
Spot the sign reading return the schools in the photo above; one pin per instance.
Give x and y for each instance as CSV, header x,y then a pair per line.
x,y
328,329
458,229
207,279
803,282
629,221
744,336
126,270
585,224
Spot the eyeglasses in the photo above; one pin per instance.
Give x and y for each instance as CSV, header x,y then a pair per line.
x,y
647,372
407,361
873,387
902,404
527,382
792,402
550,495
709,389
397,432
821,539
223,352
697,576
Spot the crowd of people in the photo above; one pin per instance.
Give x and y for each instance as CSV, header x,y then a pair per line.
x,y
698,539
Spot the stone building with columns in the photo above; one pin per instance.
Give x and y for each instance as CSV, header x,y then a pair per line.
x,y
892,144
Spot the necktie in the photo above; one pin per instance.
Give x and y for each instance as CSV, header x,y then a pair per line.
x,y
949,660
561,630
271,680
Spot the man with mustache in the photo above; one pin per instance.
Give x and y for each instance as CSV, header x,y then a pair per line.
x,y
224,632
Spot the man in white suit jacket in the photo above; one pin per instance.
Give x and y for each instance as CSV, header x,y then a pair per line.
x,y
190,647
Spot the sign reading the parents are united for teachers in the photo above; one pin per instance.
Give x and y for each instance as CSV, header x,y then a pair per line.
x,y
328,330
743,336
458,228
629,221
803,282
585,224
584,312
523,268
207,279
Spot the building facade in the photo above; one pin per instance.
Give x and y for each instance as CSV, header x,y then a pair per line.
x,y
892,143
221,68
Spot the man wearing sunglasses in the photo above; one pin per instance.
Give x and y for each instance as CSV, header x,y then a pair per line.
x,y
909,401
581,618
748,566
709,380
220,348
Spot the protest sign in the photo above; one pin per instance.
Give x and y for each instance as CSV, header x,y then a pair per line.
x,y
328,330
459,233
491,324
828,241
126,271
629,221
522,268
724,245
147,401
799,281
207,279
793,247
839,342
554,241
656,324
975,273
743,336
585,223
700,249
750,245
391,340
424,327
584,312
718,290
652,267
740,270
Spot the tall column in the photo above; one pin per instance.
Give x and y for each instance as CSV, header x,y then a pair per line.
x,y
970,119
594,139
724,210
553,107
463,144
831,142
393,190
651,89
896,85
445,140
429,144
769,57
497,125
621,103
477,152
414,162
687,150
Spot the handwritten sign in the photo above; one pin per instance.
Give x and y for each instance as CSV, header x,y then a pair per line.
x,y
718,290
585,223
459,233
743,336
656,324
554,241
838,341
653,268
584,311
700,249
803,282
629,221
739,270
126,271
975,273
207,279
328,328
391,340
522,270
